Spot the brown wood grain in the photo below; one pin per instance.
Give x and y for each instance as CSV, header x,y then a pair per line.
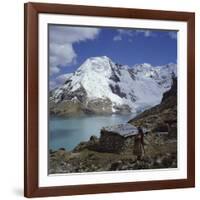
x,y
31,187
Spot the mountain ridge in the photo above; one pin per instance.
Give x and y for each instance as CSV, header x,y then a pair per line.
x,y
101,86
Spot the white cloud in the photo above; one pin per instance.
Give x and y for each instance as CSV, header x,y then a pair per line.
x,y
125,32
60,55
131,33
61,40
52,85
117,38
59,80
173,35
62,78
121,33
69,34
53,70
146,33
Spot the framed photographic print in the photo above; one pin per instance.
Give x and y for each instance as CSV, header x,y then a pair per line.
x,y
109,99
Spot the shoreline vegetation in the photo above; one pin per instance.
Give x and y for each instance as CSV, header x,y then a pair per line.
x,y
160,144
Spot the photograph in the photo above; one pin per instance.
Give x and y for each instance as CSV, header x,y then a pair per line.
x,y
112,99
109,99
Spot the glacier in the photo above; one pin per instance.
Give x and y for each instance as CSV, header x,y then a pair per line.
x,y
100,85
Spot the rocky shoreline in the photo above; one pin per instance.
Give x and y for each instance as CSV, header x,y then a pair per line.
x,y
84,158
160,152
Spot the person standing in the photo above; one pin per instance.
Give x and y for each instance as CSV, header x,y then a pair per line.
x,y
139,144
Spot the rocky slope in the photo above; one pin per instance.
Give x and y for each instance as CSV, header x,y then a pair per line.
x,y
160,144
100,86
163,116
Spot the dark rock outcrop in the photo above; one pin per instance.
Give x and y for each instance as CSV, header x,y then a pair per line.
x,y
111,142
92,144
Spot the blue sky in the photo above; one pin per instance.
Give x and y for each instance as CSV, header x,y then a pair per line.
x,y
70,46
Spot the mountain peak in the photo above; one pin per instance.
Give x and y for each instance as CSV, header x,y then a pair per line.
x,y
100,83
99,58
98,64
142,66
147,65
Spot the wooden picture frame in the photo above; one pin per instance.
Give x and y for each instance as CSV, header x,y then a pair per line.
x,y
31,105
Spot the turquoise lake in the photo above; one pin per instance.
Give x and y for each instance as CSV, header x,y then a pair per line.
x,y
69,131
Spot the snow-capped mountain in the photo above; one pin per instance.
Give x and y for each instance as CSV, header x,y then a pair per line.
x,y
101,86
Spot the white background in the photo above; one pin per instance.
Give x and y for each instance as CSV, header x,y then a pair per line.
x,y
11,98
